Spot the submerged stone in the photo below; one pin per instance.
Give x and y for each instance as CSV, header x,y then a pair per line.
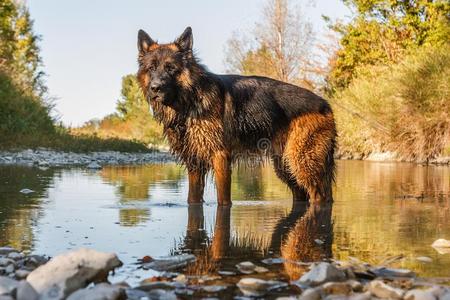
x,y
246,267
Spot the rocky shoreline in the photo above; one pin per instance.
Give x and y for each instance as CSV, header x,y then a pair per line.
x,y
92,160
84,273
95,160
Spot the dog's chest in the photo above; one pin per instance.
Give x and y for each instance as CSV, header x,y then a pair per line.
x,y
204,137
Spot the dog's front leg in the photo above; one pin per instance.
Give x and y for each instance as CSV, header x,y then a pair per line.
x,y
196,184
222,175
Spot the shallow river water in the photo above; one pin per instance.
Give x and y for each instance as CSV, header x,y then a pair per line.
x,y
380,210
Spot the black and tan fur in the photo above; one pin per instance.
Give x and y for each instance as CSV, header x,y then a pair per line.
x,y
212,120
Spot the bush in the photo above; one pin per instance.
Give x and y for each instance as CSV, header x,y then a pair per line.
x,y
404,108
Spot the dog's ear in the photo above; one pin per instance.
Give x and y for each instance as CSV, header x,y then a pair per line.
x,y
144,41
185,40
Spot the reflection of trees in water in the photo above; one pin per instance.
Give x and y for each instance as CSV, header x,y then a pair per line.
x,y
19,212
391,208
133,184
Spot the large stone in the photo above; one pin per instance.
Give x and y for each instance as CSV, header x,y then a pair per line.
x,y
102,291
382,290
8,286
321,273
71,271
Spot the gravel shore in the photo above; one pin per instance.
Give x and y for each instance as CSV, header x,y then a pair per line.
x,y
94,160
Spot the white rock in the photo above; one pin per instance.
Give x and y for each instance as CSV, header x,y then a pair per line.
x,y
102,291
93,166
442,246
26,292
256,287
425,259
419,295
382,290
71,271
246,267
8,286
26,191
321,273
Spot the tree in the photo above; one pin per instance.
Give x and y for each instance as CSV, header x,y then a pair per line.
x,y
279,48
132,100
384,31
19,50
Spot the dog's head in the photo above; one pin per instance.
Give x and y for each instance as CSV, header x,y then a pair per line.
x,y
163,68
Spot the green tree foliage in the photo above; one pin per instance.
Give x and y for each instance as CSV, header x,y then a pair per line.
x,y
19,50
132,102
132,120
384,31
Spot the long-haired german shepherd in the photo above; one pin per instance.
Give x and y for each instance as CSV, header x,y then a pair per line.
x,y
211,120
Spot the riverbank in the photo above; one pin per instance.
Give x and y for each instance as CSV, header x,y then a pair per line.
x,y
93,160
51,158
71,275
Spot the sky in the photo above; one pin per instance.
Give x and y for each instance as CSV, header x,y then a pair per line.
x,y
87,46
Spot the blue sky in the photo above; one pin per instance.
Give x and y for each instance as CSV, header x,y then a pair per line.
x,y
87,46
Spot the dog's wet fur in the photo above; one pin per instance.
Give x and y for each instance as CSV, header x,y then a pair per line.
x,y
211,121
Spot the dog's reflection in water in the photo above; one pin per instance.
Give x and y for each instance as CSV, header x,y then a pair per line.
x,y
304,235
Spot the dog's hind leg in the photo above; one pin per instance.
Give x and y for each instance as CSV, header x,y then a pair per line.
x,y
282,171
309,154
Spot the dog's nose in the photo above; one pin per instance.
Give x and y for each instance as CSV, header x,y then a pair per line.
x,y
155,87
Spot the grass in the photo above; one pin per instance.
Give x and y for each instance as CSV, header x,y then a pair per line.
x,y
404,109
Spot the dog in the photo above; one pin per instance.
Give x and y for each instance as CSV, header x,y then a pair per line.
x,y
212,121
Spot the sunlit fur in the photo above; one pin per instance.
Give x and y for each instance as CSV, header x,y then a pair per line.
x,y
212,120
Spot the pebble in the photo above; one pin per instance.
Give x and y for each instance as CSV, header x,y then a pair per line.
x,y
15,255
311,294
321,273
419,295
246,267
8,286
337,288
26,292
382,290
255,287
424,259
273,261
94,166
26,191
390,272
102,291
6,250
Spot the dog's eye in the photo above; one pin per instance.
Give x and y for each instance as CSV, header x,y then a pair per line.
x,y
152,67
